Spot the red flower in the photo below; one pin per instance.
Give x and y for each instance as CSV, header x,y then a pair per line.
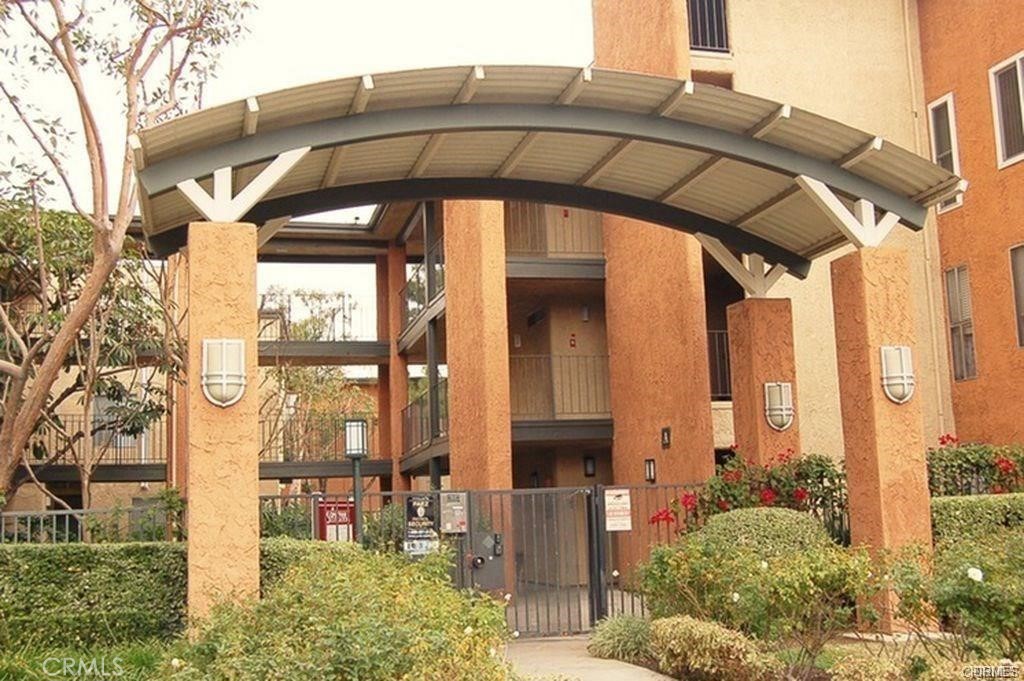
x,y
734,447
800,495
722,504
768,496
664,515
998,489
732,476
948,440
689,501
1005,466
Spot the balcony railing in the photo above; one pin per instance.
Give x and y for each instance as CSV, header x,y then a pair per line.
x,y
420,289
435,259
97,440
314,436
559,387
544,231
416,424
312,315
440,392
718,358
708,28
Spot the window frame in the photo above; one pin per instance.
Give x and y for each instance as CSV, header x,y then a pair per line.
x,y
1017,314
954,143
954,327
997,128
710,52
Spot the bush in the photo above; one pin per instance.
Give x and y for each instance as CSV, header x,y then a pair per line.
x,y
624,638
859,668
687,648
955,518
961,469
360,615
90,594
771,532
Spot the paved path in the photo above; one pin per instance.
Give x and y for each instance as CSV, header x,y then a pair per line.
x,y
548,658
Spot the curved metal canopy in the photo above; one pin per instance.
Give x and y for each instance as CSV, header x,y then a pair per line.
x,y
759,176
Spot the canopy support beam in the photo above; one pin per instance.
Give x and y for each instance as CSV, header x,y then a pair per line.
x,y
750,273
861,226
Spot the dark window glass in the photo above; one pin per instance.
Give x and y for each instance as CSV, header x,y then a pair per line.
x,y
1011,121
1017,265
708,30
961,323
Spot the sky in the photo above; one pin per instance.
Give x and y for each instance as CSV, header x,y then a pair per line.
x,y
293,42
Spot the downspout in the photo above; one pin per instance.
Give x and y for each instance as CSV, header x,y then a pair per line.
x,y
937,346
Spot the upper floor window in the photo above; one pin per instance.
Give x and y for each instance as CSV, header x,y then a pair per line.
x,y
1008,109
708,30
1017,268
942,122
961,322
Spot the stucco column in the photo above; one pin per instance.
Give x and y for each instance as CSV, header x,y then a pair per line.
x,y
223,443
398,364
476,318
654,284
760,351
884,442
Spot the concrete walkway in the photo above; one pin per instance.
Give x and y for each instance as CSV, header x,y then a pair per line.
x,y
567,659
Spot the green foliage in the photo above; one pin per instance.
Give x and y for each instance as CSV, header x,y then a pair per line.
x,y
687,648
384,529
861,668
956,518
285,520
771,532
90,594
161,520
959,469
623,638
357,614
141,661
976,589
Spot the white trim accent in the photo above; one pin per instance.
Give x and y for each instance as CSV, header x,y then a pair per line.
x,y
362,96
1018,58
954,145
750,273
860,227
470,85
251,117
270,228
869,148
225,207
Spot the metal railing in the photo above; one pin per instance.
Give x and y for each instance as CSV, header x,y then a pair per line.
x,y
559,386
313,436
553,232
147,522
440,393
718,359
708,26
416,423
414,295
435,256
98,439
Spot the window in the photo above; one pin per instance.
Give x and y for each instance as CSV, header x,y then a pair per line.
x,y
961,323
1008,109
707,25
1017,268
942,122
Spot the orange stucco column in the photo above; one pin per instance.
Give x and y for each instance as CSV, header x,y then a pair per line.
x,y
223,442
397,383
760,351
654,284
177,390
884,442
479,417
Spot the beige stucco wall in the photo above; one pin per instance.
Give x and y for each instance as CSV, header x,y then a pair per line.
x,y
857,62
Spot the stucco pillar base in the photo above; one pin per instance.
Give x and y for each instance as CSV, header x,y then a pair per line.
x,y
884,442
223,443
479,413
760,351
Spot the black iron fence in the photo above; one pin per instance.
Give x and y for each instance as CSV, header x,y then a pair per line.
x,y
416,423
718,360
73,437
559,386
316,436
150,520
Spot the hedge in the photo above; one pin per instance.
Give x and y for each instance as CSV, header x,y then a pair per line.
x,y
955,518
78,595
90,594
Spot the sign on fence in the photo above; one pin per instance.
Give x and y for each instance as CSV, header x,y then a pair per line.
x,y
420,528
618,512
453,512
334,521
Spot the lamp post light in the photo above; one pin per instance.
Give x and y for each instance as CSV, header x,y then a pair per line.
x,y
356,451
778,405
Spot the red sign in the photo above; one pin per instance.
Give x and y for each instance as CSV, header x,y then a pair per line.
x,y
334,520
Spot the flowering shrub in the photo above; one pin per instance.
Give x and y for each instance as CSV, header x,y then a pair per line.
x,y
807,483
625,638
687,648
959,469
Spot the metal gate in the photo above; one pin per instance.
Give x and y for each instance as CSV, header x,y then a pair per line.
x,y
564,557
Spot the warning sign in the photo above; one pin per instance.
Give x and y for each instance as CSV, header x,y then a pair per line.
x,y
618,512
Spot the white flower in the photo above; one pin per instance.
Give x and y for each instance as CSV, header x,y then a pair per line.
x,y
176,663
493,652
975,574
735,597
615,573
515,634
508,597
467,631
764,565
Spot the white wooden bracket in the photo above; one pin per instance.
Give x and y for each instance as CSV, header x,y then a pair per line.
x,y
751,273
224,205
270,228
860,226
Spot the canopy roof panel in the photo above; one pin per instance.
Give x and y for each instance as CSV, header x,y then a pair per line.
x,y
692,156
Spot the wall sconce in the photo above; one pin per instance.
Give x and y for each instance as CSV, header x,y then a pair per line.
x,y
223,374
585,313
355,438
897,373
649,470
778,405
589,466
